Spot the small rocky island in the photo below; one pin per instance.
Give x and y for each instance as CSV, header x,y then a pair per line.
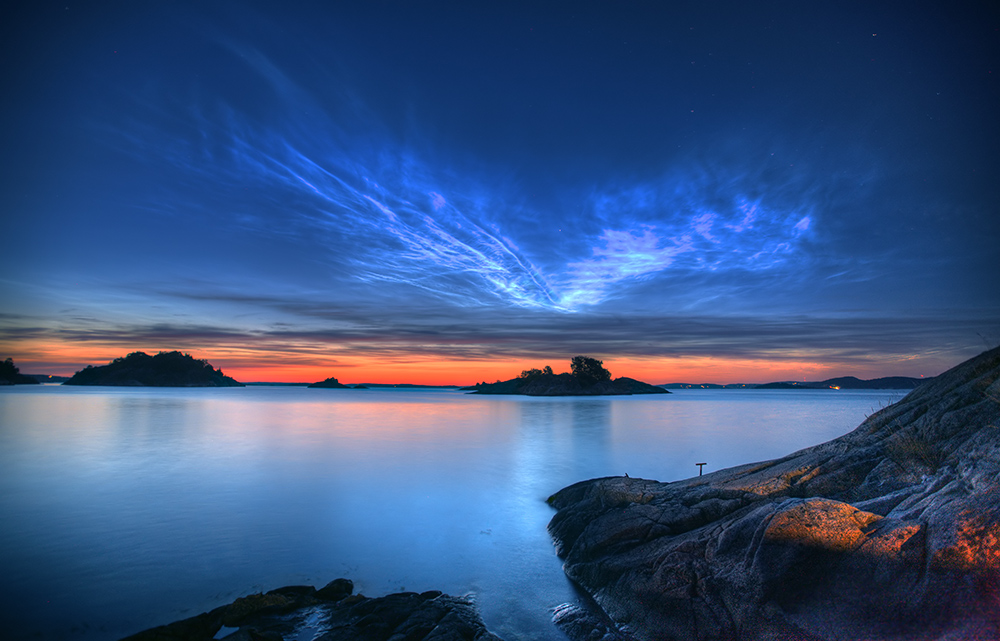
x,y
587,377
330,383
166,369
889,532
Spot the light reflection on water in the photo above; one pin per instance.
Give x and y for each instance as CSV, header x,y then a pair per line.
x,y
126,508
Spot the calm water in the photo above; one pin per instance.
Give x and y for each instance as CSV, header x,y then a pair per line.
x,y
126,508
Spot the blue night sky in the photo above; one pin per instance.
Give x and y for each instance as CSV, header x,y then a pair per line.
x,y
442,191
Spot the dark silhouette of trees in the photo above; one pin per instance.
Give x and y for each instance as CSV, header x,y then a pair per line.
x,y
588,378
589,370
586,370
531,373
11,374
165,369
8,369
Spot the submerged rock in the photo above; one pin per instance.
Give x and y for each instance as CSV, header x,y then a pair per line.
x,y
331,613
889,532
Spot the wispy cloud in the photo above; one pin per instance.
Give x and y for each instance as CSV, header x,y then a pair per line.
x,y
746,238
385,215
315,329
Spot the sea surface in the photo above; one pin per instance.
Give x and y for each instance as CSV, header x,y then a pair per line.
x,y
125,508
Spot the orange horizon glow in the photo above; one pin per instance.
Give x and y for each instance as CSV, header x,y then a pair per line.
x,y
276,365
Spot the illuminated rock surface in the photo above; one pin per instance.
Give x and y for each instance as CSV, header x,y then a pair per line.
x,y
331,613
889,532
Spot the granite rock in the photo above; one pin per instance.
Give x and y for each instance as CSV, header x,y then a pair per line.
x,y
889,532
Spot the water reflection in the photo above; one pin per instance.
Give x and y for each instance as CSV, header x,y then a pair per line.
x,y
565,438
124,509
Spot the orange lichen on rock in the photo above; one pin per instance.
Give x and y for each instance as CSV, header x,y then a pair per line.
x,y
976,546
821,523
889,542
889,532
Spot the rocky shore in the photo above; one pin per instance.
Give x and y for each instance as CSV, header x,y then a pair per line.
x,y
332,613
889,532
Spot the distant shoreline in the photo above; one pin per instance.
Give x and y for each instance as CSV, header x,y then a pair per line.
x,y
841,382
838,383
354,385
57,379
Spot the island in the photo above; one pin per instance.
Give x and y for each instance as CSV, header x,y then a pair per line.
x,y
889,532
166,369
841,382
330,383
850,382
587,377
11,375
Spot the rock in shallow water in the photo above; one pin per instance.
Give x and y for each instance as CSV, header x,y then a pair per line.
x,y
332,613
889,532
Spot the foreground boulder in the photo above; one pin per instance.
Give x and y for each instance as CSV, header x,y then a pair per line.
x,y
331,613
889,532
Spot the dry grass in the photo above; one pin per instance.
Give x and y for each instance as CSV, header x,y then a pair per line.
x,y
909,448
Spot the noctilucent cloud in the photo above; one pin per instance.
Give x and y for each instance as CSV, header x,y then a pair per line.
x,y
362,188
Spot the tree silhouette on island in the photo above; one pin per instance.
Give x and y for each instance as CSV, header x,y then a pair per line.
x,y
11,375
166,369
587,377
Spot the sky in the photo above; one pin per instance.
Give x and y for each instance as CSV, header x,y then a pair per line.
x,y
449,192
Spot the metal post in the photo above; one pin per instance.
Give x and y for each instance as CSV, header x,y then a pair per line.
x,y
700,465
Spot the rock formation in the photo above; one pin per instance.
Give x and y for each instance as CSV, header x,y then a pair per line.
x,y
331,613
889,532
